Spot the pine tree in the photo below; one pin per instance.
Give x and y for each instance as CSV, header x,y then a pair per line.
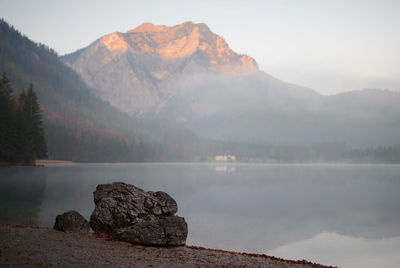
x,y
33,144
22,137
7,121
35,124
24,131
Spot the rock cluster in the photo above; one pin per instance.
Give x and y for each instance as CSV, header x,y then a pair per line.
x,y
136,216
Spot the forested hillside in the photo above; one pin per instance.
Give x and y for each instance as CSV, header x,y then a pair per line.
x,y
22,138
79,126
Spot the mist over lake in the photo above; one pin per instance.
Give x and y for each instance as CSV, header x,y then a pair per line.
x,y
316,211
277,133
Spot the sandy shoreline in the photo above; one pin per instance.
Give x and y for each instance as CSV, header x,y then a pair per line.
x,y
24,246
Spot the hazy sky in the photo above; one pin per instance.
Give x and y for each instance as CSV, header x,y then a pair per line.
x,y
330,46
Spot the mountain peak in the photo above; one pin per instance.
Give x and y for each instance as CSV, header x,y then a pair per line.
x,y
149,27
144,64
182,41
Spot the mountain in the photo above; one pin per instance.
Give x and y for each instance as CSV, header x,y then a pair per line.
x,y
133,70
145,69
188,75
79,125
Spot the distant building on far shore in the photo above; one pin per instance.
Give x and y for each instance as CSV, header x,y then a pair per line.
x,y
225,158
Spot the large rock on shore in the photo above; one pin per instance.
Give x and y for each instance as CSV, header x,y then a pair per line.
x,y
136,216
71,221
164,231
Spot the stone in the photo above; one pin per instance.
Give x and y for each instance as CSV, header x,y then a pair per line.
x,y
163,231
71,221
137,216
120,205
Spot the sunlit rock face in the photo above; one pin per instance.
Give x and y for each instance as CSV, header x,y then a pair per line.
x,y
170,43
135,71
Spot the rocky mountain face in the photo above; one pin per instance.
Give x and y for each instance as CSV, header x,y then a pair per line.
x,y
79,126
134,70
188,75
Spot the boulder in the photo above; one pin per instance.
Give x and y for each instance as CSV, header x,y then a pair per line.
x,y
121,205
71,221
136,216
163,231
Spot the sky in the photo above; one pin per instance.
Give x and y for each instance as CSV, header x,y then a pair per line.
x,y
330,46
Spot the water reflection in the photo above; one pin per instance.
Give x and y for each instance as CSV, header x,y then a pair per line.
x,y
257,208
257,214
225,169
356,252
21,194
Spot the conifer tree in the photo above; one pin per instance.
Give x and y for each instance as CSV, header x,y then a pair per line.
x,y
24,134
35,124
7,121
22,137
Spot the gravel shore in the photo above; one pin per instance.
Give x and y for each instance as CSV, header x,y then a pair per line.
x,y
23,246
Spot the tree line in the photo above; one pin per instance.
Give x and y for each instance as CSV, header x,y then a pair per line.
x,y
22,137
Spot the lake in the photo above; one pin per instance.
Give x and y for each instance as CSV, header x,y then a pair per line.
x,y
344,215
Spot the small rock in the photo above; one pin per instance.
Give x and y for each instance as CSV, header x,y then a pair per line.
x,y
71,221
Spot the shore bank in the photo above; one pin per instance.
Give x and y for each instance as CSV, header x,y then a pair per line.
x,y
45,162
25,246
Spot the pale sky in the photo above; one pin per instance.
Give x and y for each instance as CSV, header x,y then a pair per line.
x,y
330,46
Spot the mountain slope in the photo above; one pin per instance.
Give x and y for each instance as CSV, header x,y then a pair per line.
x,y
188,75
79,125
132,69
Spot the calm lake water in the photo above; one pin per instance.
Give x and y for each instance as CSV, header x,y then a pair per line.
x,y
344,215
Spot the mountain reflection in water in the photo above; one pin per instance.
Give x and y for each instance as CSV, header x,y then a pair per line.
x,y
273,209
